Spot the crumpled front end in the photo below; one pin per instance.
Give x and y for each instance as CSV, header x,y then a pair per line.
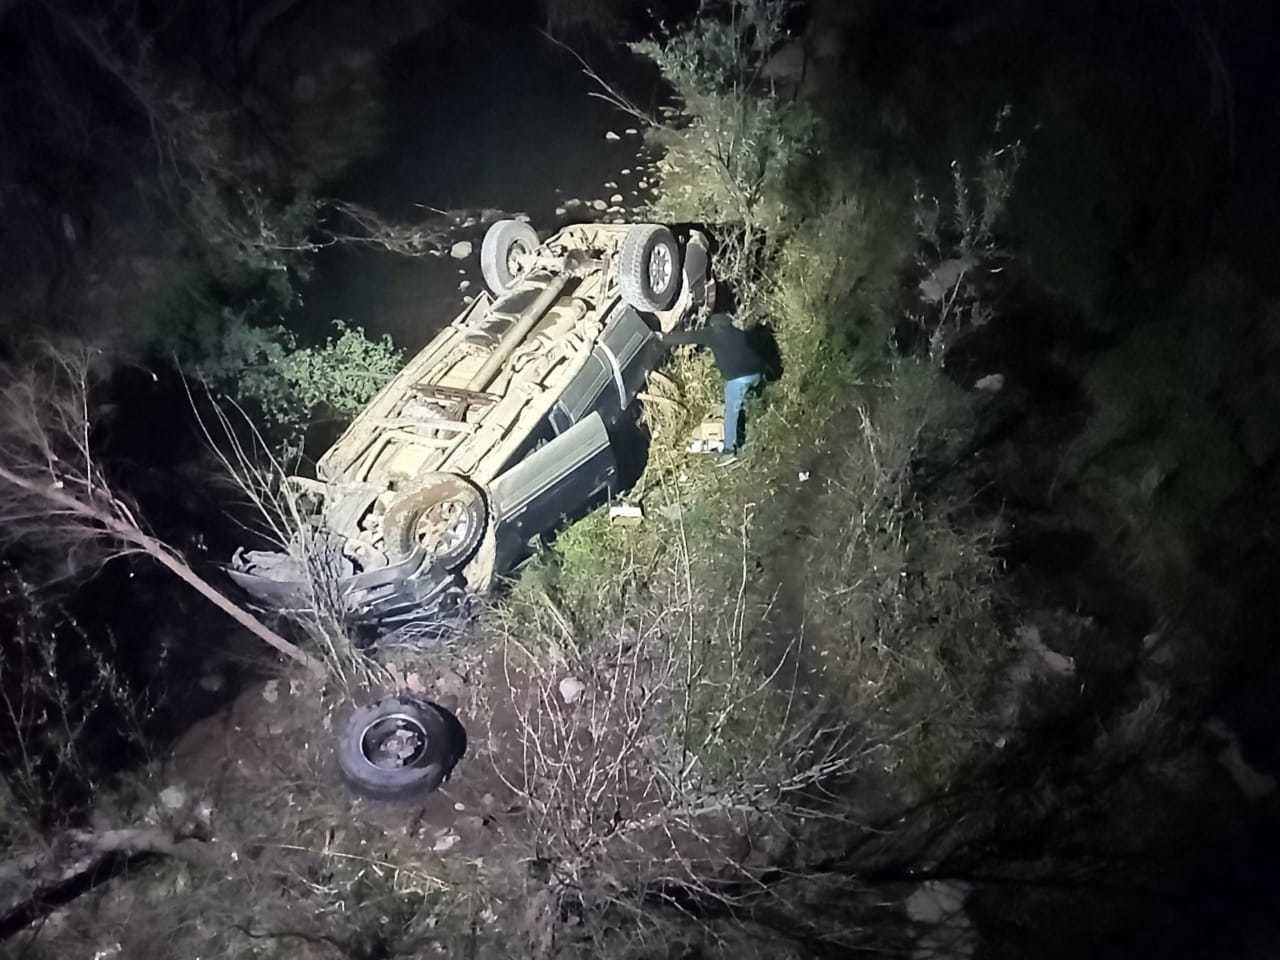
x,y
410,601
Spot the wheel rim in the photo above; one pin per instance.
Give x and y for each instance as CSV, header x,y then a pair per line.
x,y
515,259
393,742
660,268
444,527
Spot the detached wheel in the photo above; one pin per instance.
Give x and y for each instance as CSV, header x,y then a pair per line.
x,y
399,748
505,245
649,267
446,515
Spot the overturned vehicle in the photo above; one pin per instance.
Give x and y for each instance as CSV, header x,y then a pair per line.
x,y
514,420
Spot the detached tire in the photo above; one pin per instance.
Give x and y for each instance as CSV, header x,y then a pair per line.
x,y
399,748
445,513
649,267
504,243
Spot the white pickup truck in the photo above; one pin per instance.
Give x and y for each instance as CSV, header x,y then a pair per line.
x,y
517,418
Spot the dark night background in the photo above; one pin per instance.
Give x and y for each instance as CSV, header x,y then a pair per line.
x,y
1138,329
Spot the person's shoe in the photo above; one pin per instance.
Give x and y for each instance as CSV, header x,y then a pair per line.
x,y
726,458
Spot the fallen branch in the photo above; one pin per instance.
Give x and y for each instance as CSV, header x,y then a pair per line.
x,y
35,884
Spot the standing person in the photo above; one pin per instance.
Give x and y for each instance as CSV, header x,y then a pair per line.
x,y
740,365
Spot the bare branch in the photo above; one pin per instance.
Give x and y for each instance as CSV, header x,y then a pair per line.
x,y
54,495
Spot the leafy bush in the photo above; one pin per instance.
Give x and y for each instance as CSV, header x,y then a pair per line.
x,y
733,152
286,386
959,246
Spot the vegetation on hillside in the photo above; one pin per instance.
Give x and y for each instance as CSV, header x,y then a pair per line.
x,y
797,711
777,659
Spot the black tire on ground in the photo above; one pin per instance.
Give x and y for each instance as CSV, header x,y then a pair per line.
x,y
399,748
649,267
444,511
502,243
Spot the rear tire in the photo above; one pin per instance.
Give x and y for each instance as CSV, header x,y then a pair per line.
x,y
649,267
504,243
399,748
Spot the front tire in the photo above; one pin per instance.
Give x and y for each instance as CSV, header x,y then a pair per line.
x,y
399,748
505,244
445,514
649,267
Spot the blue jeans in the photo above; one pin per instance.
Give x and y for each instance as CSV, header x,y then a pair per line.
x,y
735,392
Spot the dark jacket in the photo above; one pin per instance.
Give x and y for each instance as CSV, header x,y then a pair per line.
x,y
730,346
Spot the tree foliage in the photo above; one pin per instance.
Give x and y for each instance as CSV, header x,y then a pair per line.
x,y
289,385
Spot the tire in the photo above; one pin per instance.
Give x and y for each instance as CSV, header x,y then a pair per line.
x,y
504,240
649,267
399,748
441,502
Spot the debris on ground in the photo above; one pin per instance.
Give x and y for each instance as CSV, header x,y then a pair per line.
x,y
571,689
627,514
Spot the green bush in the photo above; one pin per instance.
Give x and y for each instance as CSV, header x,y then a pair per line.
x,y
283,385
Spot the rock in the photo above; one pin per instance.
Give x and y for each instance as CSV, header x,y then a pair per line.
x,y
631,131
642,184
573,202
413,683
213,682
464,285
522,217
470,824
610,185
460,250
599,205
937,906
173,798
449,684
271,691
611,136
991,383
571,689
616,198
625,171
204,812
276,728
447,842
561,211
1039,658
